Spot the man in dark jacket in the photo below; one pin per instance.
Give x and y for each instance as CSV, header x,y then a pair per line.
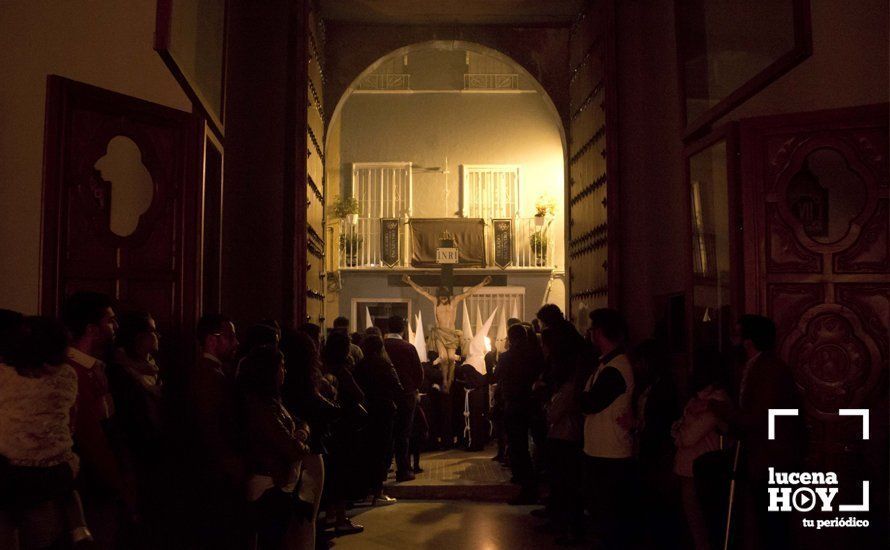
x,y
514,375
219,466
407,364
766,382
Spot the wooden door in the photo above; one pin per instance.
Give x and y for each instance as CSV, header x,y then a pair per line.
x,y
142,250
592,172
310,249
817,261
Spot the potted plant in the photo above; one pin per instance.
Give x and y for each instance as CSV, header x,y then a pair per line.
x,y
545,206
350,243
538,243
346,208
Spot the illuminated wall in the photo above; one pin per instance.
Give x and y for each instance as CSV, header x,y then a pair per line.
x,y
437,121
466,129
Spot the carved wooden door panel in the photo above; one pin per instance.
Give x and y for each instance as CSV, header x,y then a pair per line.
x,y
817,261
120,203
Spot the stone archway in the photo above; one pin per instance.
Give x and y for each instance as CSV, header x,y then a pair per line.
x,y
548,83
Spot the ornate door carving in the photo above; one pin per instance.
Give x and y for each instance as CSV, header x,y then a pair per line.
x,y
120,203
817,261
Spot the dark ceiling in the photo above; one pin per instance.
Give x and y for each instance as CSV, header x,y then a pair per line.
x,y
463,12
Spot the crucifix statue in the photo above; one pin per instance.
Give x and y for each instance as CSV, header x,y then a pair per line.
x,y
445,337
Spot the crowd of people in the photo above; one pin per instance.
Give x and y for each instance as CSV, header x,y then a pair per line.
x,y
627,464
262,443
267,442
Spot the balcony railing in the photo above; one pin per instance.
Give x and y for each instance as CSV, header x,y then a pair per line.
x,y
359,245
386,81
532,243
491,81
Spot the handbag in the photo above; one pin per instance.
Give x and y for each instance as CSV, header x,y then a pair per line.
x,y
302,510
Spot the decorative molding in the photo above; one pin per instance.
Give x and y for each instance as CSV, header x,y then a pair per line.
x,y
871,302
787,302
784,253
871,251
834,360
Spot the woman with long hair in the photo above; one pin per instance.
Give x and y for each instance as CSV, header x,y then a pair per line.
x,y
565,427
341,460
702,463
306,394
275,446
378,379
135,380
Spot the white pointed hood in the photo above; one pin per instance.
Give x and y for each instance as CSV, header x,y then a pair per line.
x,y
420,340
477,351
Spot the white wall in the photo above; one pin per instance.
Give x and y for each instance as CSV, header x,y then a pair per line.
x,y
105,43
467,128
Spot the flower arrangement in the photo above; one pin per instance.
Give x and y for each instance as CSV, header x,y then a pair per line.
x,y
537,241
350,244
345,206
545,205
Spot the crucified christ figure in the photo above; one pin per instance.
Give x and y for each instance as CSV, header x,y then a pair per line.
x,y
444,335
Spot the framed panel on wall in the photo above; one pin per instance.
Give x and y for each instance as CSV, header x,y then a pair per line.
x,y
190,38
729,50
715,230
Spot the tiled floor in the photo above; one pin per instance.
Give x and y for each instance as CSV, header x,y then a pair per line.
x,y
447,525
457,474
460,467
458,502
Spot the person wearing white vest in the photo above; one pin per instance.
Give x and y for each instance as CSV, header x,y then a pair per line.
x,y
608,443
